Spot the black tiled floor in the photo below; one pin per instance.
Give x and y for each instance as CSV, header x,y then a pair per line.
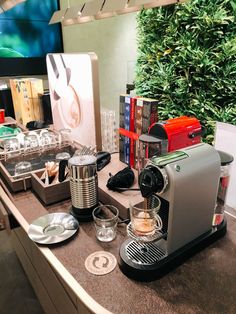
x,y
16,294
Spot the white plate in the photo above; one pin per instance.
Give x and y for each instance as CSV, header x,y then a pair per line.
x,y
53,228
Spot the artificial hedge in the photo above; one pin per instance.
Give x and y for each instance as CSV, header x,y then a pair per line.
x,y
187,60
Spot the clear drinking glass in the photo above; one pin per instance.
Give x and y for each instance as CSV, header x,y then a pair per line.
x,y
105,221
11,147
62,156
31,143
22,167
65,136
145,220
109,130
48,140
226,163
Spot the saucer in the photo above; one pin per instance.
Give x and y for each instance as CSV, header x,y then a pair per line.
x,y
53,228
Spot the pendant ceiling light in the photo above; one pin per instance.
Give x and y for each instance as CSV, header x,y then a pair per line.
x,y
110,8
58,16
154,4
89,10
9,4
72,15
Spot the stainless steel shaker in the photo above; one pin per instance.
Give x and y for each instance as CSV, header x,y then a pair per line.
x,y
83,185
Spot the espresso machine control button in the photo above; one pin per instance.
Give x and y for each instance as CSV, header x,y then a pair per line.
x,y
152,180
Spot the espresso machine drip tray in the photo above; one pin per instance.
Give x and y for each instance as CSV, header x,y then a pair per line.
x,y
150,261
144,254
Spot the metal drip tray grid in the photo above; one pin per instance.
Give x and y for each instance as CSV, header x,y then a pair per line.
x,y
144,254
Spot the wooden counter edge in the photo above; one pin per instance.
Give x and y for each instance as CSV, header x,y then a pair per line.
x,y
82,295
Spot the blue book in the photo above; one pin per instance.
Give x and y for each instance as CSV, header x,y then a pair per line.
x,y
122,125
127,127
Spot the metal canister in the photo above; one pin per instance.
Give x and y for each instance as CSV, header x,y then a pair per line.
x,y
83,185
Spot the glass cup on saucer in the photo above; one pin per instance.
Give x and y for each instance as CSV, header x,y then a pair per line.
x,y
145,220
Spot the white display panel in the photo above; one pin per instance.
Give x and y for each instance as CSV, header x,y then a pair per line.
x,y
74,94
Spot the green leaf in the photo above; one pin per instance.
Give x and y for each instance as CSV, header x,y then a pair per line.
x,y
187,60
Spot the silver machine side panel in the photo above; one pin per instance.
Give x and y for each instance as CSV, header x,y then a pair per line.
x,y
191,193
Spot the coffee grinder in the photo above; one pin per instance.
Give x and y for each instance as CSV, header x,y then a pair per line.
x,y
186,181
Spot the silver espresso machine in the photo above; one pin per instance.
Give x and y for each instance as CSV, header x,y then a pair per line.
x,y
186,181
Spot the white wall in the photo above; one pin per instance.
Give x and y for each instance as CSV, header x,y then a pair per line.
x,y
114,41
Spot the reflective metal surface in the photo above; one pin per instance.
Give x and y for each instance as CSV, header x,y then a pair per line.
x,y
53,228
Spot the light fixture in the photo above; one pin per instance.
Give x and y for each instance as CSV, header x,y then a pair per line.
x,y
58,16
72,15
159,3
110,8
83,12
136,5
89,10
9,4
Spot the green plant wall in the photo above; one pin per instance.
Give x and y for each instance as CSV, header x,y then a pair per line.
x,y
187,60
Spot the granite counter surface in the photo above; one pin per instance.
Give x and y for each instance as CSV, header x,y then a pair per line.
x,y
205,283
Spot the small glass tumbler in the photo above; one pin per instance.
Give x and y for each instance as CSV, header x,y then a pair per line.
x,y
225,169
47,140
145,220
22,167
11,147
109,130
62,156
31,143
65,136
105,221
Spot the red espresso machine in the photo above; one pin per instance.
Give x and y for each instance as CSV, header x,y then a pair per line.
x,y
179,132
168,136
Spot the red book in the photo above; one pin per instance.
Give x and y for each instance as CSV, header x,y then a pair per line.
x,y
138,126
132,129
